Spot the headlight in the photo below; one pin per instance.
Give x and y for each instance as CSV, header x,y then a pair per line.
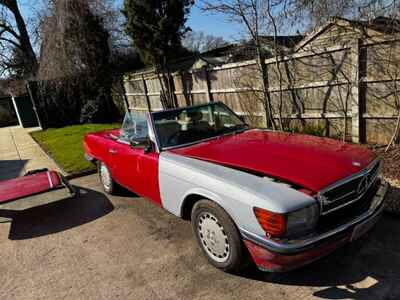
x,y
295,223
302,221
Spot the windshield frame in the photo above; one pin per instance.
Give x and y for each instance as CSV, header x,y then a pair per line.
x,y
151,131
157,140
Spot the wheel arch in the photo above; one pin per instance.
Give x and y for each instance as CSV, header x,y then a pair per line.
x,y
191,197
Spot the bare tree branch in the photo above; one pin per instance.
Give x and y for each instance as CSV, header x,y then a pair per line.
x,y
14,37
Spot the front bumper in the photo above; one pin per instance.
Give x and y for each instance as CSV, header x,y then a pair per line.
x,y
284,255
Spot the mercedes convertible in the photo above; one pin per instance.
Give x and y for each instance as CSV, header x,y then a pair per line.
x,y
279,199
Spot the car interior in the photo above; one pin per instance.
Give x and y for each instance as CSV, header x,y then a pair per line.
x,y
188,127
177,127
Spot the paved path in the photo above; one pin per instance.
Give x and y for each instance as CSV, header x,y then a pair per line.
x,y
19,153
122,247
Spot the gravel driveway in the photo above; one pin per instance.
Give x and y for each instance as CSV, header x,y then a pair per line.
x,y
100,247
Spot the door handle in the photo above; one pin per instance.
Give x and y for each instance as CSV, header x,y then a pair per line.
x,y
113,151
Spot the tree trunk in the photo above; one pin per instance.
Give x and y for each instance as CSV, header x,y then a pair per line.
x,y
264,86
277,63
30,60
395,135
163,98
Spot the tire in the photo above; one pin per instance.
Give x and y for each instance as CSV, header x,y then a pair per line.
x,y
106,179
218,237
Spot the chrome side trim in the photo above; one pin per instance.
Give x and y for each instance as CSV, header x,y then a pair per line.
x,y
50,181
299,245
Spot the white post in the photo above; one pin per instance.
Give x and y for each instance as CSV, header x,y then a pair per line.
x,y
358,93
16,111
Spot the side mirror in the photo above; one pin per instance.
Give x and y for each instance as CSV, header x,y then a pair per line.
x,y
133,143
148,149
144,144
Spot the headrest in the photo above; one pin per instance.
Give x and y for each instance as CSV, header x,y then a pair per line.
x,y
195,115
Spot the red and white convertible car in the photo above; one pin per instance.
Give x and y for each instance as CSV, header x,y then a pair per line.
x,y
285,199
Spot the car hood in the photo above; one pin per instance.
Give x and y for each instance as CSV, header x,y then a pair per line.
x,y
308,161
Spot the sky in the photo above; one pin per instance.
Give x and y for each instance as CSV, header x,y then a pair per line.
x,y
211,23
214,24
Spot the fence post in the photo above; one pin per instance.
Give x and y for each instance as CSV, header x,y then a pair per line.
x,y
208,85
263,69
122,90
16,111
146,93
358,61
188,96
28,88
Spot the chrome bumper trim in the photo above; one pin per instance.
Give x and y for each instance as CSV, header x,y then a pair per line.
x,y
295,246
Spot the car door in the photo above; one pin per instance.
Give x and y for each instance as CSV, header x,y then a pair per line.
x,y
136,168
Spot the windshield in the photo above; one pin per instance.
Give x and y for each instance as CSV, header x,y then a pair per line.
x,y
135,127
193,124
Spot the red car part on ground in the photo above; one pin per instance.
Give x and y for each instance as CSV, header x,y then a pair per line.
x,y
35,183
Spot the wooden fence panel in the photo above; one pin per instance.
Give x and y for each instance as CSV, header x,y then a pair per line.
x,y
383,61
382,98
356,82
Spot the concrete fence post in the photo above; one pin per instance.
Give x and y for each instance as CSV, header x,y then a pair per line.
x,y
206,76
357,91
16,111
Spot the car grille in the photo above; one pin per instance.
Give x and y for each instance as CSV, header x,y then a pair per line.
x,y
348,213
349,190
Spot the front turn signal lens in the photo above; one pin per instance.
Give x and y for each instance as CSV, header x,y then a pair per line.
x,y
273,224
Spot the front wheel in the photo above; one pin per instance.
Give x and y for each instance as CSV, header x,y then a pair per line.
x,y
106,179
218,237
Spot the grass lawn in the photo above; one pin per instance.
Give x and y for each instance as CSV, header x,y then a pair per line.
x,y
65,145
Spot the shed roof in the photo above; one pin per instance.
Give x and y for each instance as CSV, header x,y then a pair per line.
x,y
379,24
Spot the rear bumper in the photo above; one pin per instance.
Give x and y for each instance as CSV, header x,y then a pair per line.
x,y
280,256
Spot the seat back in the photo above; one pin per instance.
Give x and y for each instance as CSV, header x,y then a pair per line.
x,y
166,130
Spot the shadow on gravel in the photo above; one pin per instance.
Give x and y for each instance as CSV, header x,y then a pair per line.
x,y
366,269
59,216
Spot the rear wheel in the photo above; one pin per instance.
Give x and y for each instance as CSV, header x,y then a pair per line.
x,y
218,237
106,179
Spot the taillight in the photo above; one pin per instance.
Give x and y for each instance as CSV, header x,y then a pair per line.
x,y
273,224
